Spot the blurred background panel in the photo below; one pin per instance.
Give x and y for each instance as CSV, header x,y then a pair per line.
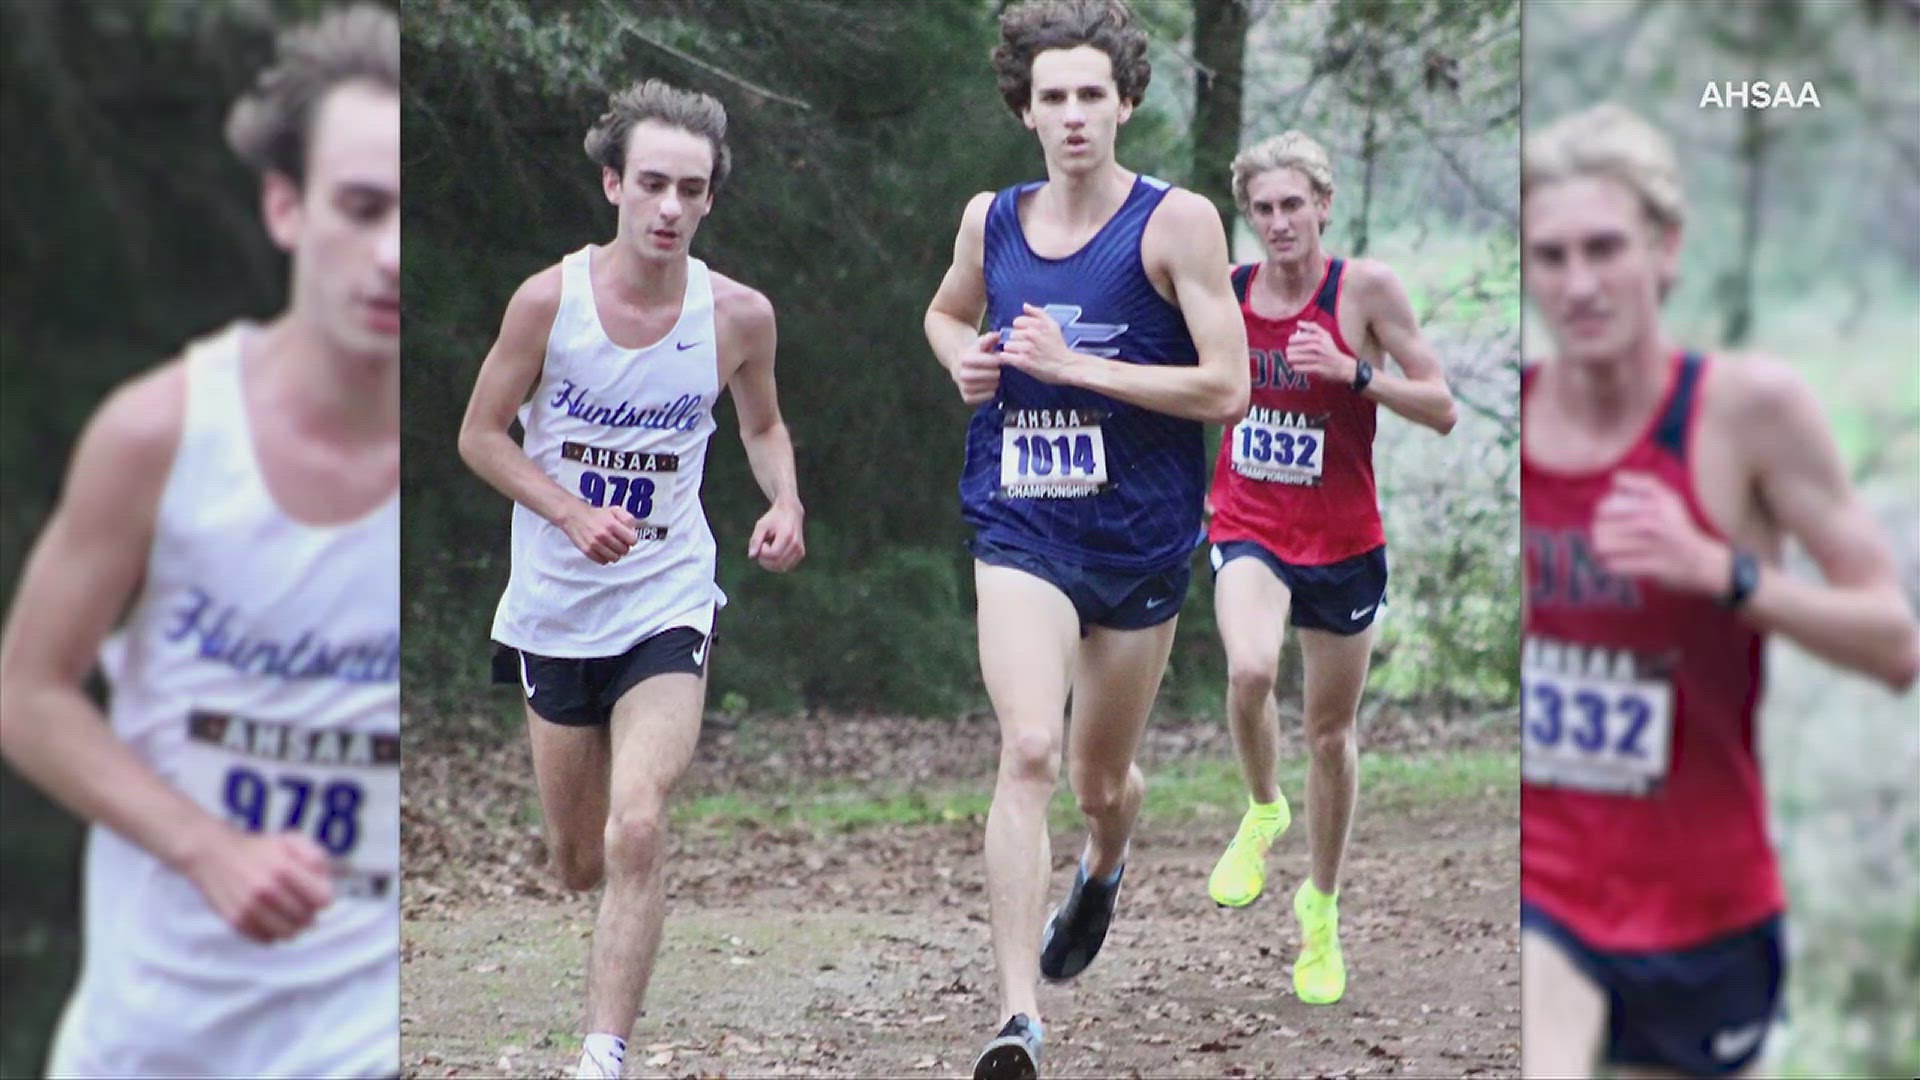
x,y
127,228
1802,241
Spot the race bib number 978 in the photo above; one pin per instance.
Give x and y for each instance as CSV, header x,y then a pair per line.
x,y
626,478
1052,454
340,788
1594,718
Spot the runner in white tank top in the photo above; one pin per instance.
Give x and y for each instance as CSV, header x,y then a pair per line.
x,y
271,700
241,505
617,427
613,360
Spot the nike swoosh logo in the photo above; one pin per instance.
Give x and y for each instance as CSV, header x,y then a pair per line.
x,y
700,654
1156,602
1734,1042
525,681
683,346
1361,612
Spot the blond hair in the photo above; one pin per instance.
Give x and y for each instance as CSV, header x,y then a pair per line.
x,y
1287,150
271,125
653,100
1611,141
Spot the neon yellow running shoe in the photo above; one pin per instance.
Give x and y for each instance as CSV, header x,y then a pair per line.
x,y
1319,976
1241,873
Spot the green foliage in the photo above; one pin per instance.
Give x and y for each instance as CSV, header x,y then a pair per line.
x,y
852,163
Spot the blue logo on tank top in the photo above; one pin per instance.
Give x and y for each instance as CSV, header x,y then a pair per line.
x,y
308,656
1076,332
681,414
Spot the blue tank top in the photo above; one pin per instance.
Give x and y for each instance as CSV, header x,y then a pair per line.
x,y
1069,473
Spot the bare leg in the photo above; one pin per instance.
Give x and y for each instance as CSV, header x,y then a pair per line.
x,y
1562,1013
1250,604
1336,672
570,766
1115,680
1028,637
655,728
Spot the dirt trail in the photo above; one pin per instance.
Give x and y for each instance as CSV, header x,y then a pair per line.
x,y
864,951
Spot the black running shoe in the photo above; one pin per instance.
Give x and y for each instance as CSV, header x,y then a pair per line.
x,y
1079,926
1014,1054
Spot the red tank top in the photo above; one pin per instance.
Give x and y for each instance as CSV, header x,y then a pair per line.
x,y
1296,476
1643,819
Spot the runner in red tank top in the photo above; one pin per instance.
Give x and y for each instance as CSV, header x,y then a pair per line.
x,y
1295,524
1656,491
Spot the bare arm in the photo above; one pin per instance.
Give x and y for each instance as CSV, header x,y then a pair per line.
x,y
85,567
1419,392
953,318
511,369
1184,235
1857,617
747,325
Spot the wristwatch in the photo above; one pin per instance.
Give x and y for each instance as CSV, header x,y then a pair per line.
x,y
1362,375
1742,579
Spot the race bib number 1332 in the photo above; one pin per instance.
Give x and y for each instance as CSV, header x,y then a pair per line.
x,y
1594,718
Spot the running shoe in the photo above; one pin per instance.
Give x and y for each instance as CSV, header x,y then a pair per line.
x,y
1242,870
1079,926
1014,1054
1319,976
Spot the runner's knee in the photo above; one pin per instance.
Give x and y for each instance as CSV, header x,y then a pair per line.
x,y
1250,679
1099,794
1331,739
1031,754
578,866
635,837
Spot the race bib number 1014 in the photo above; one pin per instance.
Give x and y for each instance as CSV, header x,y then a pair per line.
x,y
1052,454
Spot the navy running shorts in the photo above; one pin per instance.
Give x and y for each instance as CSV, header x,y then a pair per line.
x,y
1116,599
1341,598
1700,1011
581,692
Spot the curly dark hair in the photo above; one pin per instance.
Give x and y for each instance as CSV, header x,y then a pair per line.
x,y
1032,27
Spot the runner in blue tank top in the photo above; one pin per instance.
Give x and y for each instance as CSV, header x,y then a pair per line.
x,y
1110,336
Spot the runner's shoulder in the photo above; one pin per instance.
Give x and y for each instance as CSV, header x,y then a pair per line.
x,y
1183,208
741,307
1370,281
537,300
1758,388
130,442
142,419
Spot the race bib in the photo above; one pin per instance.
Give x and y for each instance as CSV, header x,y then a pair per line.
x,y
1052,454
640,482
1279,447
1594,718
341,788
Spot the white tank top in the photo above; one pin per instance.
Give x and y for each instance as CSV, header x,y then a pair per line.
x,y
627,426
259,674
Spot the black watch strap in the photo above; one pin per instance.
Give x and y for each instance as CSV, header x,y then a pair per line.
x,y
1362,375
1742,579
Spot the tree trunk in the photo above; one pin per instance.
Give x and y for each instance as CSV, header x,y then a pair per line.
x,y
1219,48
1754,140
1369,153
